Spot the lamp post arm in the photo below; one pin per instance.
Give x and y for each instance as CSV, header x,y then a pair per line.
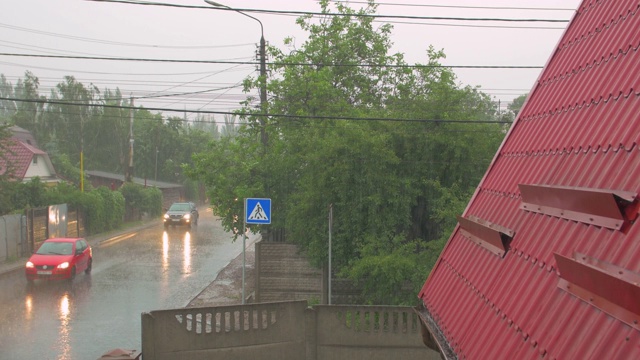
x,y
263,70
218,5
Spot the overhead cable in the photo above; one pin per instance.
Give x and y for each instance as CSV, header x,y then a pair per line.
x,y
249,114
271,63
305,13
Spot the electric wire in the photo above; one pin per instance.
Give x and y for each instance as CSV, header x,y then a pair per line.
x,y
192,61
307,13
251,114
119,43
457,6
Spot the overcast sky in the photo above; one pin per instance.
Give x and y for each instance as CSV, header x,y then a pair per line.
x,y
107,29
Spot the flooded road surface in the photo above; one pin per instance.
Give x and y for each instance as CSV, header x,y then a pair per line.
x,y
149,270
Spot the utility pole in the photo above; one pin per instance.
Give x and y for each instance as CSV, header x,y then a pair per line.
x,y
81,154
263,93
330,232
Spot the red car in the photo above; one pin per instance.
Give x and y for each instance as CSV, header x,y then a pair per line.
x,y
59,258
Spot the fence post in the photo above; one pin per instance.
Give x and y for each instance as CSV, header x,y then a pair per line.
x,y
30,245
311,333
148,344
257,266
24,245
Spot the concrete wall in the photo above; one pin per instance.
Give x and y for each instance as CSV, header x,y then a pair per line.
x,y
369,332
284,331
283,273
259,331
13,237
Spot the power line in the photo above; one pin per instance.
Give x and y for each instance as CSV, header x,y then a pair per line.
x,y
240,122
459,6
110,73
79,38
248,114
263,11
473,26
208,120
270,63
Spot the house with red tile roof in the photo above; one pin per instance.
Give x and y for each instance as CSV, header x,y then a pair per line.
x,y
23,161
545,260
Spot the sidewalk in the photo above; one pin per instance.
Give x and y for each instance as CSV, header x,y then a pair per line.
x,y
226,289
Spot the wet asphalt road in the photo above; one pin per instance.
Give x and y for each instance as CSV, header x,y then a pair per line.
x,y
150,270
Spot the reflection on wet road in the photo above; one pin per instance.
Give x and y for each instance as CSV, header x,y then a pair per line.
x,y
151,270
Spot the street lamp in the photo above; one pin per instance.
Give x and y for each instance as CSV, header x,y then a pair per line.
x,y
263,70
263,107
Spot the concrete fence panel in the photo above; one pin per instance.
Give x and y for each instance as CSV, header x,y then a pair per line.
x,y
284,331
256,331
12,237
369,332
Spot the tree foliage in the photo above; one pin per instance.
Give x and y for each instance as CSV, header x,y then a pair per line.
x,y
395,185
78,118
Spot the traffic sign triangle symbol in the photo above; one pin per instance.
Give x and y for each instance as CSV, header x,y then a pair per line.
x,y
258,213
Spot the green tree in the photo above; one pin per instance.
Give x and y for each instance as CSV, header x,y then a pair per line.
x,y
395,186
517,104
107,134
7,107
28,112
6,185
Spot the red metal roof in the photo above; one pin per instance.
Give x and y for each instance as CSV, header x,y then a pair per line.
x,y
19,157
579,129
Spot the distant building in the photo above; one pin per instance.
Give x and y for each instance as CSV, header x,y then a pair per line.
x,y
170,192
545,260
24,161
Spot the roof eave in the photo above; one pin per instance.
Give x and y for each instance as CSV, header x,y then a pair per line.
x,y
432,335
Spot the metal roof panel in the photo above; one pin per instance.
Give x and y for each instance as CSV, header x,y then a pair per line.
x,y
579,128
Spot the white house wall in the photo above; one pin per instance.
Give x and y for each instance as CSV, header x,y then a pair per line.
x,y
39,169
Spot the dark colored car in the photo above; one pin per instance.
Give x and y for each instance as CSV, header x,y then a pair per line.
x,y
185,213
59,258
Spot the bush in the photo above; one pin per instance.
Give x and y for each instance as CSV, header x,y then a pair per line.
x,y
113,207
139,199
152,201
104,209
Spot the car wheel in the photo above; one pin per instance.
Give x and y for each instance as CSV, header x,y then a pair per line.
x,y
73,274
88,269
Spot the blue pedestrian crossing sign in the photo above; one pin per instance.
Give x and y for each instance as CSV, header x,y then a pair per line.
x,y
257,211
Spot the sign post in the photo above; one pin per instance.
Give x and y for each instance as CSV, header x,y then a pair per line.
x,y
256,211
330,231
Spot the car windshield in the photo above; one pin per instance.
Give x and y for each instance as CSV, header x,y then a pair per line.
x,y
55,248
179,207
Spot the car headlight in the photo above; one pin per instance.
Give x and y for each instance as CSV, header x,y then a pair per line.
x,y
187,216
64,265
166,216
30,265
